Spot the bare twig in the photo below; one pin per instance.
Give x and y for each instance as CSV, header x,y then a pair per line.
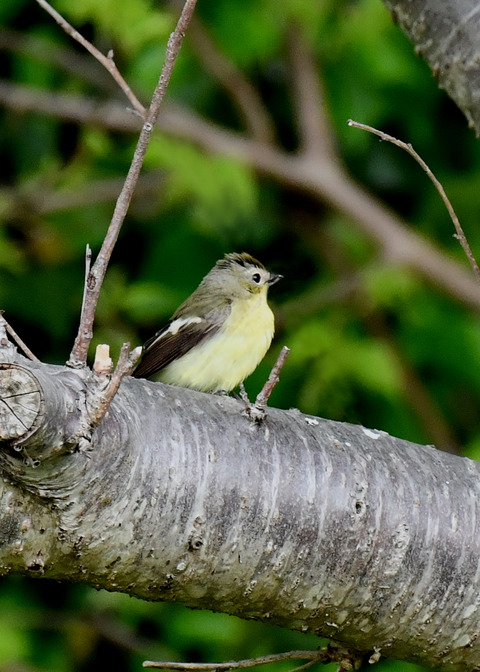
x,y
321,655
305,666
349,659
88,266
103,393
106,61
38,199
256,411
78,356
408,148
274,377
18,340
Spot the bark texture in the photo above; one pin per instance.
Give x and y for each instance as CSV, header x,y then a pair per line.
x,y
446,35
307,523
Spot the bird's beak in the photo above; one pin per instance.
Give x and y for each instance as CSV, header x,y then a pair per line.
x,y
274,278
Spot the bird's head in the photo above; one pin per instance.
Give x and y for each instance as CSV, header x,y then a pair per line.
x,y
242,275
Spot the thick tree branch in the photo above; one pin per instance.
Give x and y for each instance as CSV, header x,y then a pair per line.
x,y
303,522
68,107
446,35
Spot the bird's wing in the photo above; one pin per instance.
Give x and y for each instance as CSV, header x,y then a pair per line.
x,y
173,341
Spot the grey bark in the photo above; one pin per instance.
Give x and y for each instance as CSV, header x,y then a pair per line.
x,y
307,523
446,34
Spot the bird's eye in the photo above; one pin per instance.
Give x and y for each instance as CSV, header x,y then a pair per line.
x,y
256,277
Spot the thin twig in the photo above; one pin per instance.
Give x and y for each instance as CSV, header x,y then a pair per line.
x,y
408,148
78,356
11,331
106,61
256,412
103,397
88,265
274,377
306,666
322,655
350,659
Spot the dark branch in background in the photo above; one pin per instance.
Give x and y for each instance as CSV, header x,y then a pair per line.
x,y
45,200
62,57
78,356
249,104
408,148
316,139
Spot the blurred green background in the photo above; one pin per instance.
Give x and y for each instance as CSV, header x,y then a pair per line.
x,y
371,343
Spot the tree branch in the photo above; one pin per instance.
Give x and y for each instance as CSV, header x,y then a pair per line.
x,y
293,521
446,35
256,412
460,235
332,653
13,334
43,201
316,140
245,97
315,656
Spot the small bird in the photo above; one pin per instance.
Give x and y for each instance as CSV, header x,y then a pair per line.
x,y
220,334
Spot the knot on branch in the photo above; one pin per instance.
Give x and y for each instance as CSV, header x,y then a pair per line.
x,y
41,419
20,402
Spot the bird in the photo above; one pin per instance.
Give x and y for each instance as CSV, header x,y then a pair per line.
x,y
219,334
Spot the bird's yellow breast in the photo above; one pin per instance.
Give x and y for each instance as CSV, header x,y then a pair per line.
x,y
223,361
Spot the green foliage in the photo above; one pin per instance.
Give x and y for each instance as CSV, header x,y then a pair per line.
x,y
249,32
132,25
365,336
221,195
